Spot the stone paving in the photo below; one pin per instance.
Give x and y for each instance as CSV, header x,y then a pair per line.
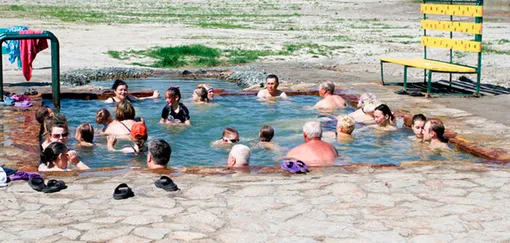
x,y
449,202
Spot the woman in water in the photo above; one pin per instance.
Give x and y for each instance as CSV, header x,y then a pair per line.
x,y
55,157
120,88
125,118
384,118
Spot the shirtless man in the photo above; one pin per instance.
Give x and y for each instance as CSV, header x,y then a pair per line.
x,y
271,88
433,132
330,100
314,152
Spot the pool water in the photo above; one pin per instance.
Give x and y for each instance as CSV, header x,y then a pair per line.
x,y
191,144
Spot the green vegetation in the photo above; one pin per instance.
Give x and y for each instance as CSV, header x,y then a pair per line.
x,y
221,25
494,51
402,36
203,56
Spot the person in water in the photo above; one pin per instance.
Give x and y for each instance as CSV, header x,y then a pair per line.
x,y
314,152
366,106
271,90
138,135
200,95
330,100
345,127
85,135
103,117
230,136
55,157
239,156
266,134
174,112
433,132
384,118
120,89
197,96
124,119
419,121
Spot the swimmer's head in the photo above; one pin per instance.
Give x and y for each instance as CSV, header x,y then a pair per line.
x,y
345,124
418,125
364,98
266,133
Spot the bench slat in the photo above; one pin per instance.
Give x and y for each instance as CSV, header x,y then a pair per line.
x,y
430,65
452,26
455,44
455,10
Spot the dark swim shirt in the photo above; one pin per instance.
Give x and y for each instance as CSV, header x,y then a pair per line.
x,y
170,115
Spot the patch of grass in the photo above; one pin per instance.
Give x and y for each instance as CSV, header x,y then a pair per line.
x,y
494,51
221,25
342,38
114,54
368,20
16,8
402,36
503,41
459,54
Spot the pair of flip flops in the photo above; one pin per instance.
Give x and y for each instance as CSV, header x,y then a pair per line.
x,y
295,167
123,191
166,184
23,175
31,91
52,186
404,92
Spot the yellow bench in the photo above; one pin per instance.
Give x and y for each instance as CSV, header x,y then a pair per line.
x,y
469,8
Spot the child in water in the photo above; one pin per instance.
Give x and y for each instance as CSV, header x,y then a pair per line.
x,y
174,112
103,117
85,135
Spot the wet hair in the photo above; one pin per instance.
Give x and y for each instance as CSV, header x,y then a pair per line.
x,y
160,151
230,130
86,132
313,129
385,110
58,120
42,113
273,76
118,83
419,117
266,133
52,151
125,111
364,98
347,123
174,91
437,126
328,86
103,116
202,94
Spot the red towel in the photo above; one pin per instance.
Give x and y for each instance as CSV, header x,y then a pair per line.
x,y
28,50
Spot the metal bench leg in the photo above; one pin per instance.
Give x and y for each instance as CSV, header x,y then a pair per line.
x,y
382,73
405,78
478,79
429,85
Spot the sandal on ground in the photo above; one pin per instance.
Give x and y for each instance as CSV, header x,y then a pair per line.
x,y
416,94
54,186
291,167
166,184
122,191
37,184
401,92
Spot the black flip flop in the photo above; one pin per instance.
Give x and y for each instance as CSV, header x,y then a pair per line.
x,y
37,184
401,92
123,191
54,186
166,184
416,94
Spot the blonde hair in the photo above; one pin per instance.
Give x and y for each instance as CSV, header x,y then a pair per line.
x,y
346,123
125,111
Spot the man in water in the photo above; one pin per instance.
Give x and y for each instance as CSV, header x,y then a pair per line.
x,y
271,88
159,154
330,100
239,156
433,132
314,152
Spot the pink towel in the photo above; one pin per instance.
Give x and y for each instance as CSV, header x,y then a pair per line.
x,y
28,51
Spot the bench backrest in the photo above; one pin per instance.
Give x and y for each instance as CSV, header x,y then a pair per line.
x,y
462,8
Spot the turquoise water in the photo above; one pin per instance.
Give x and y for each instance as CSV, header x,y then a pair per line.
x,y
191,144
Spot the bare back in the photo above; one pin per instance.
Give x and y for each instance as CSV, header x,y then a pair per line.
x,y
119,128
314,153
331,102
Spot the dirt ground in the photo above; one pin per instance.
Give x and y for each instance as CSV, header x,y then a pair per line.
x,y
353,35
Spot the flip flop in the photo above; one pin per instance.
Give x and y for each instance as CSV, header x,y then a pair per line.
x,y
416,94
54,186
23,175
302,166
291,167
37,184
122,191
401,92
166,184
